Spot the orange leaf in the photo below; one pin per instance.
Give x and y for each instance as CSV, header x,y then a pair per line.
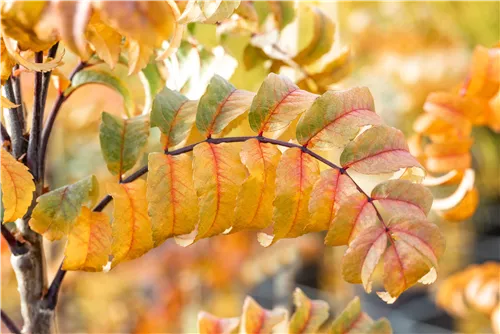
x,y
210,324
258,320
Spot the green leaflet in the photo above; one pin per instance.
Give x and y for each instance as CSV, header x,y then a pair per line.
x,y
322,40
277,103
336,117
57,210
174,115
122,141
104,78
220,104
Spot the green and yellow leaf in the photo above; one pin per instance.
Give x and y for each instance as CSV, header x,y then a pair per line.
x,y
380,149
322,40
56,211
218,175
174,115
309,314
277,103
254,206
122,141
220,104
17,187
132,232
172,201
89,242
336,117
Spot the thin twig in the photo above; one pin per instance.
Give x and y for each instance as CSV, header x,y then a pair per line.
x,y
56,283
16,247
11,326
14,123
36,123
19,98
47,130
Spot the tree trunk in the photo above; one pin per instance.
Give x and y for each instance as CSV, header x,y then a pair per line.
x,y
29,267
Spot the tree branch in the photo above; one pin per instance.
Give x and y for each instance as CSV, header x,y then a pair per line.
x,y
16,247
36,123
19,97
14,124
4,134
47,130
11,326
56,283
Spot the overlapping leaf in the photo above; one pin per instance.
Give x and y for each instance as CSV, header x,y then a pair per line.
x,y
309,314
335,118
218,174
277,103
132,232
89,242
122,141
56,211
296,174
409,246
171,196
220,104
329,193
353,320
17,187
254,204
174,114
380,149
256,319
209,324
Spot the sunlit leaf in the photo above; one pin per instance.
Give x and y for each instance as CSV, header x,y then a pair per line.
x,y
380,149
329,193
17,187
171,196
6,103
105,40
254,204
465,208
89,242
74,17
336,117
283,12
122,141
218,175
6,63
322,40
354,216
104,78
132,232
451,154
220,104
138,56
56,211
224,10
46,66
277,103
309,314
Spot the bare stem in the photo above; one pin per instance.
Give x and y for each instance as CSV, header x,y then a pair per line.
x,y
4,134
11,326
14,123
56,283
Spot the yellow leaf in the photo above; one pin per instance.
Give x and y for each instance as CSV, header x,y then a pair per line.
x,y
256,319
254,204
7,63
37,67
296,174
17,187
89,242
139,56
6,103
218,175
210,324
309,314
171,196
105,40
132,235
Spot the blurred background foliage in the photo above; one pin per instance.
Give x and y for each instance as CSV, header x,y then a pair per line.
x,y
402,51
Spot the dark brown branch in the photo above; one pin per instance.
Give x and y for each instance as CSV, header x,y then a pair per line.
x,y
16,247
19,98
36,123
11,326
47,130
14,124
